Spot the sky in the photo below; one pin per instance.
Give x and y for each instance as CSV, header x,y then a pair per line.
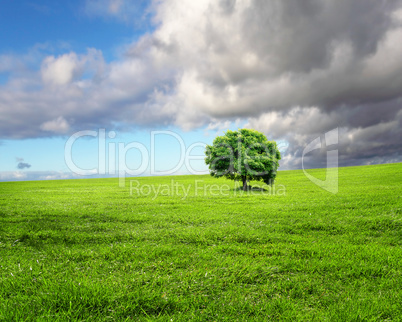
x,y
168,76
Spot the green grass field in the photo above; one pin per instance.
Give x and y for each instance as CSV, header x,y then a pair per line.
x,y
90,250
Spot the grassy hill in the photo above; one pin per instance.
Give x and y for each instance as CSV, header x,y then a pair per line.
x,y
90,250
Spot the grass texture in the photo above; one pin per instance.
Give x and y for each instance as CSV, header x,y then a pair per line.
x,y
91,250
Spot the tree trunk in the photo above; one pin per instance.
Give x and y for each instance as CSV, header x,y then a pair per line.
x,y
244,178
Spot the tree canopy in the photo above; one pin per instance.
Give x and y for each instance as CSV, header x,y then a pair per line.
x,y
244,155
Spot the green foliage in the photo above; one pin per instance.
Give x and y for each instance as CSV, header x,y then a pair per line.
x,y
245,155
87,250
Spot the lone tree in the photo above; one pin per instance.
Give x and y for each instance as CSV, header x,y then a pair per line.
x,y
243,155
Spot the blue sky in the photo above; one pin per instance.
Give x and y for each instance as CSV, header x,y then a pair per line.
x,y
293,71
54,28
63,25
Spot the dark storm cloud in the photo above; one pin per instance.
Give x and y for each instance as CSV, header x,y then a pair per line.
x,y
300,35
364,138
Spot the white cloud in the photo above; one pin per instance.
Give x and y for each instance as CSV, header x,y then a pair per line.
x,y
46,175
8,63
58,126
61,70
65,69
34,175
12,175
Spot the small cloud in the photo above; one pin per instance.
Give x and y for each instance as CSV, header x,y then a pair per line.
x,y
41,175
23,165
124,10
61,70
13,176
115,6
59,125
